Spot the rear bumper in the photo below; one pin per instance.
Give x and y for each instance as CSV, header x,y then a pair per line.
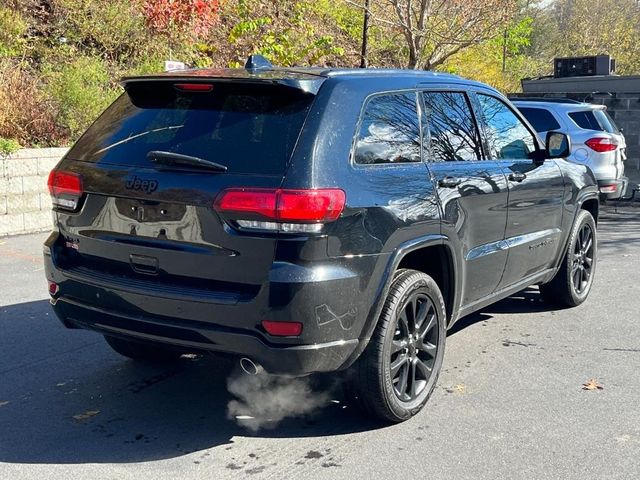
x,y
332,302
613,189
282,360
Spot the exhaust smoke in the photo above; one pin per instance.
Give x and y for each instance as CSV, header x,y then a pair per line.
x,y
263,400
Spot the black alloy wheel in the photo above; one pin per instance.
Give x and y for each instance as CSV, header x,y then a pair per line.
x,y
583,255
414,347
574,279
396,374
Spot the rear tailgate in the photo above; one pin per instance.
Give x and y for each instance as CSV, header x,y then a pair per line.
x,y
146,226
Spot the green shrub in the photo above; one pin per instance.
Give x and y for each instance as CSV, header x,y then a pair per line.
x,y
82,89
12,30
8,146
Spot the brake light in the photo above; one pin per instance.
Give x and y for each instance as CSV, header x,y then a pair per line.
x,y
194,87
282,329
65,189
601,145
283,209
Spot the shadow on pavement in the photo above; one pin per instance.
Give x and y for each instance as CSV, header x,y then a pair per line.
x,y
125,411
526,301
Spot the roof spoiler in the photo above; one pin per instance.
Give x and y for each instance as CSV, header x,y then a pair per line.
x,y
257,69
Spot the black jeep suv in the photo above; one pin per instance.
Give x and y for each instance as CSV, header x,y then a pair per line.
x,y
313,220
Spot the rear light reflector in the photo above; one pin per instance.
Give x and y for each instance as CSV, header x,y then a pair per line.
x,y
65,189
608,188
282,329
53,288
601,145
194,87
285,210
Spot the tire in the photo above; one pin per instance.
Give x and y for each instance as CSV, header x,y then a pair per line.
x,y
402,354
572,284
143,351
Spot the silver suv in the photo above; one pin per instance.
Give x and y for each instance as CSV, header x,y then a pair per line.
x,y
596,141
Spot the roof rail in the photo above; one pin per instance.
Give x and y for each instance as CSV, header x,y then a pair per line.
x,y
543,99
257,62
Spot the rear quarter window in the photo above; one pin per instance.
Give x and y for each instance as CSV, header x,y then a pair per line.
x,y
389,130
586,119
246,127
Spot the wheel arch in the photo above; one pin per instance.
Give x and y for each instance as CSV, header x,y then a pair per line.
x,y
414,253
437,262
592,205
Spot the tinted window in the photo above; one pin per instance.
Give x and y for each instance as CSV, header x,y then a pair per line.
x,y
606,121
390,130
507,136
451,127
586,119
540,119
248,128
595,120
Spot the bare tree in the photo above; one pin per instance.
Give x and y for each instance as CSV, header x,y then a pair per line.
x,y
434,30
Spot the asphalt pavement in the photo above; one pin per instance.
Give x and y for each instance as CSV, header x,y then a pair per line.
x,y
509,404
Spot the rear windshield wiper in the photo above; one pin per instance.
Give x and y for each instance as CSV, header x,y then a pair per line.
x,y
170,158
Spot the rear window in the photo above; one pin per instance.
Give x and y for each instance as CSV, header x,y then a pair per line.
x,y
594,120
247,128
540,119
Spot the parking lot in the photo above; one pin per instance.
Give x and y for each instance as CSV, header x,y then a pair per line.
x,y
510,401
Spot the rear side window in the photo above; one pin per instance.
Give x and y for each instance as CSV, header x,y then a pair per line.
x,y
389,130
507,137
451,127
248,128
595,120
586,120
540,119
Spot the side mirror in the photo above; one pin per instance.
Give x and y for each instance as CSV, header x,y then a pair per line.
x,y
557,145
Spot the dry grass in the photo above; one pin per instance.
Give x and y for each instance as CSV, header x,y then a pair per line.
x,y
26,115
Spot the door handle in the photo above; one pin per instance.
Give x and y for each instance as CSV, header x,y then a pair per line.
x,y
517,176
449,182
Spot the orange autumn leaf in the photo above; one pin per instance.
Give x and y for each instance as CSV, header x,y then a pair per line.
x,y
592,384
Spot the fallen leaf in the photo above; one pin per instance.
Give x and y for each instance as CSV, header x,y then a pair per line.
x,y
459,388
592,384
81,417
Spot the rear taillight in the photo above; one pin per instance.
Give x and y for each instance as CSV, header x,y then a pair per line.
x,y
284,210
601,145
65,189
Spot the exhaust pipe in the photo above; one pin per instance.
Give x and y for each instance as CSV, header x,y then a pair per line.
x,y
250,367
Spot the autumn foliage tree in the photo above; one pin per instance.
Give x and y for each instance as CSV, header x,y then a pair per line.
x,y
434,30
170,16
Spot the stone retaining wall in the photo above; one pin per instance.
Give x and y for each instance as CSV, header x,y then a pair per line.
x,y
25,206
